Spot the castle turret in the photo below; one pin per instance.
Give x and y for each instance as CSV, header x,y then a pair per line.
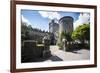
x,y
53,29
66,24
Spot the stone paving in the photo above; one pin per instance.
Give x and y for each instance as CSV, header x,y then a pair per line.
x,y
60,55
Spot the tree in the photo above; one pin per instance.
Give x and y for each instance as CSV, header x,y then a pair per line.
x,y
64,35
25,29
82,33
29,27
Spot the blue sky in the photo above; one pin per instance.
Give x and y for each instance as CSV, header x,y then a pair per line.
x,y
41,19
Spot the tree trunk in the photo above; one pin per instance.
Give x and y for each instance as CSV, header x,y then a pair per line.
x,y
83,43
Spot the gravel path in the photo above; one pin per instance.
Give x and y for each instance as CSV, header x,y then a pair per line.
x,y
59,55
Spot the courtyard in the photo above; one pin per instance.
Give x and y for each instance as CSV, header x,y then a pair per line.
x,y
60,55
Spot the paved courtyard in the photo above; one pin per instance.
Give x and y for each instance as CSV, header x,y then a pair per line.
x,y
60,55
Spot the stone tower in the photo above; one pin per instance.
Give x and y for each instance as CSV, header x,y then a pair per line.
x,y
54,30
66,24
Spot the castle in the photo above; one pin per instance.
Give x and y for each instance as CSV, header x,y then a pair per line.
x,y
65,24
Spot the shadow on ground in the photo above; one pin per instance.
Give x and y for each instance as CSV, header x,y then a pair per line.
x,y
51,58
55,58
75,50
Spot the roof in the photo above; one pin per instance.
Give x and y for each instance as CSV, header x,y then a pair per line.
x,y
65,17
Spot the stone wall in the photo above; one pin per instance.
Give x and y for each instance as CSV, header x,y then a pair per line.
x,y
31,51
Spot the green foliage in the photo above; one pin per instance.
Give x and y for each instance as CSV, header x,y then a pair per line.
x,y
60,44
64,35
25,31
59,41
82,32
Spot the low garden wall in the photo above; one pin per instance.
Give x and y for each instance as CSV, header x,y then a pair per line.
x,y
32,50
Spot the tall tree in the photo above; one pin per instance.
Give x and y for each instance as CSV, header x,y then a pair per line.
x,y
25,29
82,33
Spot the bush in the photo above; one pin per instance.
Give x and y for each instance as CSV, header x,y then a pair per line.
x,y
75,46
60,44
39,41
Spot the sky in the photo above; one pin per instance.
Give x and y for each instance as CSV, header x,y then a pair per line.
x,y
40,19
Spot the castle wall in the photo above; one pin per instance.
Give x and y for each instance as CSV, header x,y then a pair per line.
x,y
66,24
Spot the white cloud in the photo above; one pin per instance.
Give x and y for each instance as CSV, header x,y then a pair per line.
x,y
84,18
50,15
24,20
